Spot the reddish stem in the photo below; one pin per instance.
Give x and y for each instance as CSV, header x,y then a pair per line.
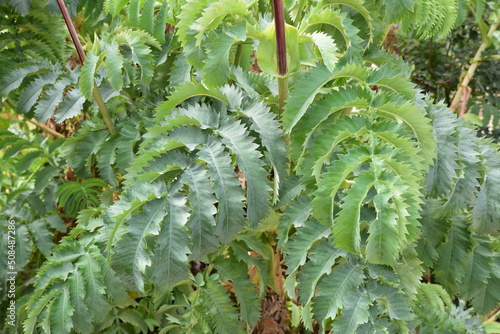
x,y
279,22
72,30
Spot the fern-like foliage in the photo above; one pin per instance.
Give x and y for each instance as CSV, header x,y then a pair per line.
x,y
195,146
211,211
31,174
457,187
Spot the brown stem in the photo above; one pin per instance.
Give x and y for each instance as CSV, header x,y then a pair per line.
x,y
279,22
81,55
46,128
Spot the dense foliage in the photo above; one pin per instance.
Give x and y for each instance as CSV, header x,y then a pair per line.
x,y
218,201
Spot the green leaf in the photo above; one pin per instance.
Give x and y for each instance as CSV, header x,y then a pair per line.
x,y
71,105
393,302
477,270
355,312
186,91
397,10
250,163
114,7
223,310
217,63
382,244
147,16
114,65
50,100
230,213
42,235
21,6
94,285
346,227
30,94
14,78
244,289
433,232
27,160
450,266
131,255
201,221
303,94
159,24
87,75
81,317
61,312
264,122
486,209
327,48
106,159
489,297
213,15
171,251
298,246
321,259
23,247
334,289
36,309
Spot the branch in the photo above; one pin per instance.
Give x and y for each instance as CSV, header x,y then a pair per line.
x,y
455,103
81,54
46,128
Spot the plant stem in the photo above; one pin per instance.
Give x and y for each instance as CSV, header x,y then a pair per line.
x,y
81,54
46,129
237,55
282,93
472,69
279,22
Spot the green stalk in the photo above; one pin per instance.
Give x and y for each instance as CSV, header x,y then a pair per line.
x,y
81,54
282,93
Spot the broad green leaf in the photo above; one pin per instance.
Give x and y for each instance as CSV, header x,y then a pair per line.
x,y
42,235
50,100
397,10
